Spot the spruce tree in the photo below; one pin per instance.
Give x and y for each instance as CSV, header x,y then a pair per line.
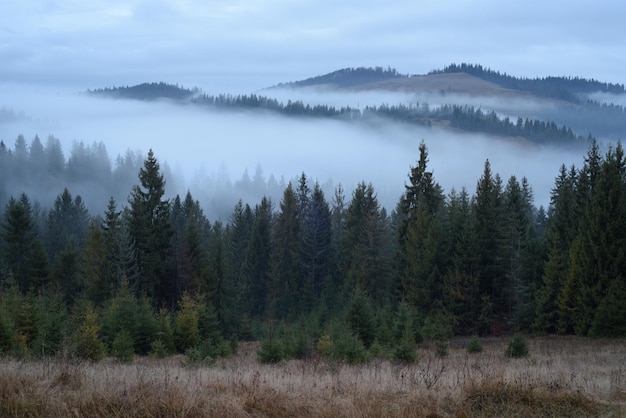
x,y
151,230
256,265
285,260
18,237
493,282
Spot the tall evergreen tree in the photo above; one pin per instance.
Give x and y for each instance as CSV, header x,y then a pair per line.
x,y
68,221
493,282
421,259
316,249
285,267
18,236
599,261
362,258
256,265
462,280
150,227
560,233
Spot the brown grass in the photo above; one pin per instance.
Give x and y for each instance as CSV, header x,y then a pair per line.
x,y
562,377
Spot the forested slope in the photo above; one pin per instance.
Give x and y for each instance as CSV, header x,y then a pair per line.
x,y
157,275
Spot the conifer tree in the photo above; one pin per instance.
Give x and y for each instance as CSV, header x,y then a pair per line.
x,y
421,262
95,266
256,265
151,230
599,260
316,249
285,261
363,262
68,221
18,237
494,286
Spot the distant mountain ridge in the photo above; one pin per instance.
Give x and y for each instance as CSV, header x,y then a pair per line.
x,y
564,113
562,88
147,91
349,77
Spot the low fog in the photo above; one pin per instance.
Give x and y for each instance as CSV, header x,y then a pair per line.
x,y
203,150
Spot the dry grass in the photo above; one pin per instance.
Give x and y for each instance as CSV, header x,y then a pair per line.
x,y
562,377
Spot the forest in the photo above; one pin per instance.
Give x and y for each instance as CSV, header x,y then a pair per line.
x,y
335,274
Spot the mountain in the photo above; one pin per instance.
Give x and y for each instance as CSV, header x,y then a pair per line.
x,y
147,91
584,105
467,97
349,77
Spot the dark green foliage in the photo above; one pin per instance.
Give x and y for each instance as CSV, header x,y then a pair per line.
x,y
517,347
18,237
271,350
474,345
67,225
364,261
360,317
353,281
404,350
151,230
134,316
123,347
186,331
437,327
285,270
255,271
52,323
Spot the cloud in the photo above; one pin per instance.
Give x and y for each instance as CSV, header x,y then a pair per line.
x,y
196,142
252,44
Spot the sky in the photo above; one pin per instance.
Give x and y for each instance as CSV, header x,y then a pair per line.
x,y
225,45
51,50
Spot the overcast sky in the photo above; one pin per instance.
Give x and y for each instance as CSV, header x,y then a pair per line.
x,y
49,50
225,45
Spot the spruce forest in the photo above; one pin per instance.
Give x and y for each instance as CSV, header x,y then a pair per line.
x,y
338,275
154,275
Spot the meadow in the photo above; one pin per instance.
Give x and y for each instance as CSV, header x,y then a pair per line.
x,y
562,376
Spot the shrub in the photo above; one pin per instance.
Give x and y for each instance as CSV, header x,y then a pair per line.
x,y
88,343
123,346
474,345
271,351
442,348
518,347
158,349
405,352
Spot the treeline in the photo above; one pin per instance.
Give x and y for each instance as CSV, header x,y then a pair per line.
x,y
570,89
44,169
340,276
349,77
466,118
469,118
147,91
462,117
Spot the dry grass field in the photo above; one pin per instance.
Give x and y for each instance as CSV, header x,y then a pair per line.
x,y
561,377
